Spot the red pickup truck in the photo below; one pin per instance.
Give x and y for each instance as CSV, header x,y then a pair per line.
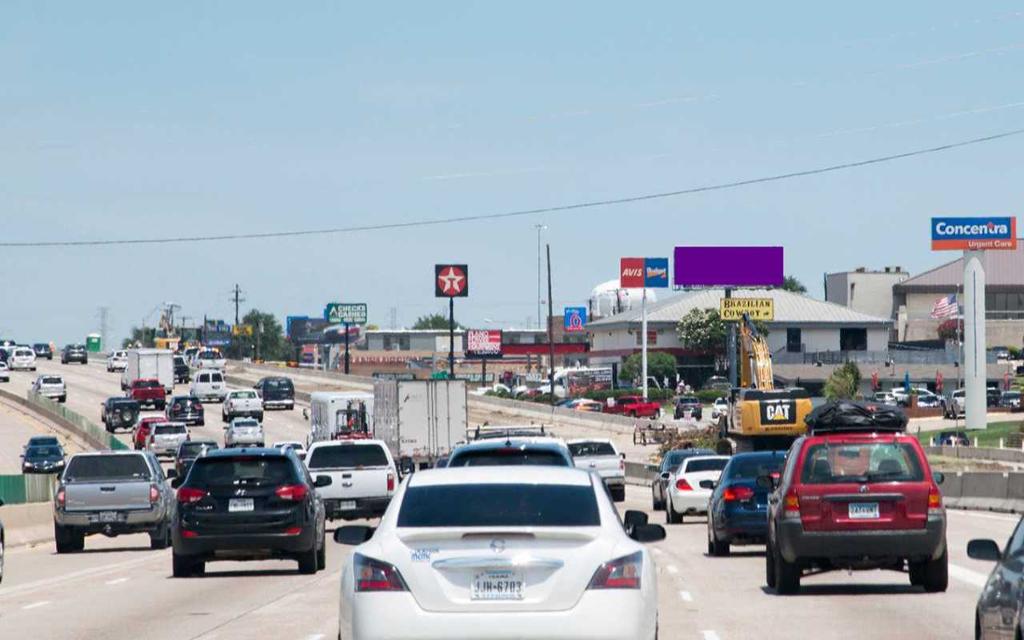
x,y
634,406
148,391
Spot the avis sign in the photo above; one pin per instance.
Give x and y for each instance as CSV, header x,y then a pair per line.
x,y
972,234
637,273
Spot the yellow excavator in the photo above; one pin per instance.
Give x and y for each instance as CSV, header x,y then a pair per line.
x,y
761,417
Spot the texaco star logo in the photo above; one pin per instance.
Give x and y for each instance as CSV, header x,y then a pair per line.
x,y
451,281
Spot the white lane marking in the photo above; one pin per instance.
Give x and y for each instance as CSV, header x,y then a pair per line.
x,y
673,569
34,605
116,581
68,577
315,636
963,574
986,516
710,635
686,597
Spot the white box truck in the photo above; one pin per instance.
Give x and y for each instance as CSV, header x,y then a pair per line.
x,y
337,415
420,420
149,363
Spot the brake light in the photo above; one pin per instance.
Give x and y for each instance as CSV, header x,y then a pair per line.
x,y
154,494
621,573
934,501
293,531
374,575
791,505
186,533
737,494
190,495
391,481
62,498
683,485
296,492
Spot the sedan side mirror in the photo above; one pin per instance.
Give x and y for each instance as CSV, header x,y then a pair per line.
x,y
648,533
622,455
176,482
172,473
353,534
707,484
665,475
939,477
983,549
305,414
322,481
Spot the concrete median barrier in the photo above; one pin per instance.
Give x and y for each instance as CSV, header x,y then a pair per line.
x,y
26,524
76,425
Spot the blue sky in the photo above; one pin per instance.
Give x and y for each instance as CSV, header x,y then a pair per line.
x,y
126,119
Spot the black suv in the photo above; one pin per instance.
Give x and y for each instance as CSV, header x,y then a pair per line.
x,y
182,373
246,504
186,409
119,413
276,392
74,353
43,350
688,404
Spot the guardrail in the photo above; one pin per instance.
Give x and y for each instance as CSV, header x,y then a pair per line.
x,y
21,489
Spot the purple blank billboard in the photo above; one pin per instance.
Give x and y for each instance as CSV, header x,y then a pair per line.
x,y
728,266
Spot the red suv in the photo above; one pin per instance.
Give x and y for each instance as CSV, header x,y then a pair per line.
x,y
856,493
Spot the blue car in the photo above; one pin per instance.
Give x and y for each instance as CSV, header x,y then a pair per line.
x,y
738,509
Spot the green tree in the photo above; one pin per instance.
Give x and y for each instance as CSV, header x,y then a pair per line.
x,y
436,321
267,333
146,336
660,365
702,330
844,383
790,283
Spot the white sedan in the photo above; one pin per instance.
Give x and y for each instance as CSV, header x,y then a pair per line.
x,y
691,485
5,375
500,552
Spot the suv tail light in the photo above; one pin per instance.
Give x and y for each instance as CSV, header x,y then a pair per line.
x,y
683,485
189,495
374,575
391,481
154,494
621,573
295,492
934,501
791,505
737,494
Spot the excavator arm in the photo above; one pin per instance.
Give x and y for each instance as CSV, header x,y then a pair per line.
x,y
755,358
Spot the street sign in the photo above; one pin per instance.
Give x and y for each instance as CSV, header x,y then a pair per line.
x,y
483,343
727,267
974,234
656,273
451,281
756,308
241,330
631,273
575,319
345,313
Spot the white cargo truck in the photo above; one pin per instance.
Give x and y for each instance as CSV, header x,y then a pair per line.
x,y
420,420
338,415
149,363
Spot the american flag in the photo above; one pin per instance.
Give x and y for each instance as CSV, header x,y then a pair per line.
x,y
945,307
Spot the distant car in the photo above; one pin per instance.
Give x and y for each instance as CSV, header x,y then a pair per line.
x,y
585,405
669,463
117,361
208,359
901,395
43,459
688,407
187,453
22,358
242,403
119,413
957,404
50,386
364,477
1001,353
209,386
186,409
992,397
928,400
634,407
5,373
1010,400
148,391
182,372
601,457
719,409
514,451
738,509
165,438
277,392
74,353
718,383
42,441
140,433
690,485
885,397
43,350
291,445
244,432
950,439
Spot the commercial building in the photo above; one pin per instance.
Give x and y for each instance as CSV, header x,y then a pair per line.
x,y
868,292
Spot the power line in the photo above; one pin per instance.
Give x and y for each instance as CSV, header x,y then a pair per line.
x,y
522,212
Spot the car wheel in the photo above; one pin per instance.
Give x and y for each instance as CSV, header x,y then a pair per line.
x,y
308,561
935,574
787,576
62,399
161,538
715,546
321,555
201,423
671,517
63,538
769,565
618,494
223,417
183,566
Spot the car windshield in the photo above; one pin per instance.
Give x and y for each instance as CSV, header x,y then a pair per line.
x,y
24,352
216,377
278,383
705,464
511,456
1011,394
42,440
113,467
499,505
51,380
250,470
347,456
195,448
44,452
674,458
582,449
861,462
753,468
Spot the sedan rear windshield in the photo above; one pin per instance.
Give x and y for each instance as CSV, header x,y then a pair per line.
x,y
52,380
508,457
146,384
752,468
713,464
688,400
581,449
281,383
348,456
499,505
243,395
195,448
248,470
861,462
117,467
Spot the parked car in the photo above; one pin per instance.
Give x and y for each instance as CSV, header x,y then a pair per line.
x,y
951,438
22,358
182,372
957,405
186,409
165,438
998,615
992,396
885,397
117,361
690,485
113,493
187,453
1010,400
928,400
43,459
856,493
141,432
242,403
51,386
584,405
601,457
208,386
574,566
119,413
243,432
292,445
5,372
208,359
277,392
148,391
512,451
688,407
248,505
669,463
42,350
718,383
738,509
633,406
363,473
74,353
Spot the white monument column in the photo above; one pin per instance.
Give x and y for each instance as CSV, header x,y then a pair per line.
x,y
974,365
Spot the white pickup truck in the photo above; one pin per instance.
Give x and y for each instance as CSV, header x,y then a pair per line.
x,y
242,403
363,476
601,457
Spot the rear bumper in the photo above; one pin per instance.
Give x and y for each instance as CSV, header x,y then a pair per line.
x,y
743,526
883,545
133,521
253,545
279,404
365,508
689,501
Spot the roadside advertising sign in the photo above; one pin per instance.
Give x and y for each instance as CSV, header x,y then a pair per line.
x,y
988,232
241,330
582,381
307,330
727,267
575,319
345,313
631,273
756,308
656,273
451,281
483,343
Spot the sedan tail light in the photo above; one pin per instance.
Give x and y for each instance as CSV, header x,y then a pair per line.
x,y
683,485
374,575
295,492
189,495
737,494
621,573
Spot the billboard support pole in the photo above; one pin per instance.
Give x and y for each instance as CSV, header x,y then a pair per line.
x,y
551,336
483,372
643,340
730,347
975,373
451,337
347,358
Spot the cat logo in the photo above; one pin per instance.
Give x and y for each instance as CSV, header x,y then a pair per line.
x,y
777,412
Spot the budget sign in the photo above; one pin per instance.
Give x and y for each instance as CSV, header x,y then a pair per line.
x,y
989,232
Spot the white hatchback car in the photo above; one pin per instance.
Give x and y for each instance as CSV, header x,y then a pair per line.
x,y
22,358
481,552
690,486
243,432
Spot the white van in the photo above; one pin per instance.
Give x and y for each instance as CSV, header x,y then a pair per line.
x,y
209,385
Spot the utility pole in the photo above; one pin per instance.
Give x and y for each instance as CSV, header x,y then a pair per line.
x,y
103,312
394,318
551,338
237,299
540,296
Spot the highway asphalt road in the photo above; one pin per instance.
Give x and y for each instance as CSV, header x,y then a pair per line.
x,y
17,425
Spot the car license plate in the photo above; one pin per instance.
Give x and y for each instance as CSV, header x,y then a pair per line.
x,y
498,585
863,511
240,504
347,504
108,516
